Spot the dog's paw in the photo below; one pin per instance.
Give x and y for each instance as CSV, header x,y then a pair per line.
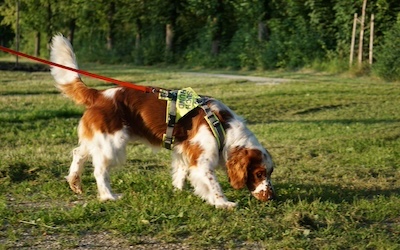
x,y
178,185
226,205
178,189
110,197
75,184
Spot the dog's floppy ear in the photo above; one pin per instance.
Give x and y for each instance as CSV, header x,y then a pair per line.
x,y
237,165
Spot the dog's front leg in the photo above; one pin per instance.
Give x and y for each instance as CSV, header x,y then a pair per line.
x,y
206,186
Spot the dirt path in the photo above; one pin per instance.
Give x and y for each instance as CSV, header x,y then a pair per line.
x,y
256,79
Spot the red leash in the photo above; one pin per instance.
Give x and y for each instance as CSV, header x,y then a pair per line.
x,y
82,72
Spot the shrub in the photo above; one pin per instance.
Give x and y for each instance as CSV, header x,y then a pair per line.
x,y
387,63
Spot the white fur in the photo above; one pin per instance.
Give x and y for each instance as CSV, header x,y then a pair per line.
x,y
107,150
110,93
62,53
263,186
180,170
240,136
202,176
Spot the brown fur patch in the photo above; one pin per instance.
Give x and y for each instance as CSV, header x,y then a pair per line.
x,y
243,166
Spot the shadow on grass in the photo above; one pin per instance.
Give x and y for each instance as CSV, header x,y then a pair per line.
x,y
336,121
328,193
19,172
144,163
40,115
30,92
24,66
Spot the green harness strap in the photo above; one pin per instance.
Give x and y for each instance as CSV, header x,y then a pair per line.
x,y
170,97
215,125
181,102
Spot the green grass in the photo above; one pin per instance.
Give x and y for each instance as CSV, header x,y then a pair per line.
x,y
335,141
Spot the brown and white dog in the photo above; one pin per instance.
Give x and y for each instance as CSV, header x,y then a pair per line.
x,y
116,116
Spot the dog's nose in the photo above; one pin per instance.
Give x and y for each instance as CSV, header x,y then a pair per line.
x,y
271,197
272,191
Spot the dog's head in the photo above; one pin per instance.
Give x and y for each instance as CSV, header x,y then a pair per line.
x,y
251,168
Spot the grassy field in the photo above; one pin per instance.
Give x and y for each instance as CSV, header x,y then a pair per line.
x,y
335,141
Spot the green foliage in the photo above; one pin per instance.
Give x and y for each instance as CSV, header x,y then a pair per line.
x,y
7,35
153,48
244,34
387,63
292,45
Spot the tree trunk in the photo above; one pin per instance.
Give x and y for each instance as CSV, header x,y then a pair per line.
x,y
49,28
138,41
48,33
138,35
111,26
71,34
217,28
262,31
215,38
17,33
361,40
37,44
215,47
170,31
169,38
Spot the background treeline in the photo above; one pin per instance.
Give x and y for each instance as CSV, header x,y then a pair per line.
x,y
249,34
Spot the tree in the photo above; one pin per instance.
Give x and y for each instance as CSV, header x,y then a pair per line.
x,y
213,33
67,15
6,29
170,27
111,24
387,64
135,13
264,17
33,20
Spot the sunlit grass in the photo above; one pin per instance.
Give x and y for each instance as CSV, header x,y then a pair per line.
x,y
335,141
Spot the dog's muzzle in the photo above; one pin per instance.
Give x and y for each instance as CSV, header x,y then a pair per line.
x,y
264,191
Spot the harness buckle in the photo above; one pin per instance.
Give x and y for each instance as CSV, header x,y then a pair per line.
x,y
216,123
168,142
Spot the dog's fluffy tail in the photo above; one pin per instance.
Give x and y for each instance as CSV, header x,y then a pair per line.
x,y
69,82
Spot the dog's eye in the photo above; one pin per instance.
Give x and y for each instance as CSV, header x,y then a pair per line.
x,y
259,175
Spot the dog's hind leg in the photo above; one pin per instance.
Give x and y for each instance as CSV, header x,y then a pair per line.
x,y
75,171
107,151
101,173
